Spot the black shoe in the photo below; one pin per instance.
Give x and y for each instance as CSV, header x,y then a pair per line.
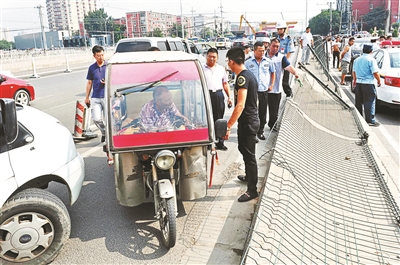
x,y
242,177
374,124
289,95
261,136
221,147
103,138
247,196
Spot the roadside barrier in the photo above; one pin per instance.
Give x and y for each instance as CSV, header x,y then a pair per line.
x,y
82,123
34,75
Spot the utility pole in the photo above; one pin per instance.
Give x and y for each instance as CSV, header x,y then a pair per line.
x,y
193,25
330,19
389,18
183,31
42,28
222,30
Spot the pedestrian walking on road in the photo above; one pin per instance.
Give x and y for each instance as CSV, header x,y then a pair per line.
x,y
217,82
281,64
286,48
264,71
345,58
336,51
306,41
246,114
96,80
365,69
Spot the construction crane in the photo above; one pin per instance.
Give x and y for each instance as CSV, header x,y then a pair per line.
x,y
264,25
240,25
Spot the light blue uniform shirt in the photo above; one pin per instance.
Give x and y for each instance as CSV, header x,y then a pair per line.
x,y
286,45
365,66
261,71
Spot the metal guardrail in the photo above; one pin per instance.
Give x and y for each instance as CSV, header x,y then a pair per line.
x,y
325,201
34,64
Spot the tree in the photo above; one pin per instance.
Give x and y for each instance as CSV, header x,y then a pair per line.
x,y
157,33
320,24
6,45
98,22
375,18
176,30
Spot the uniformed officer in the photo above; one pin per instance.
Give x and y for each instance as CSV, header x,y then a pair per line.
x,y
264,71
286,48
246,114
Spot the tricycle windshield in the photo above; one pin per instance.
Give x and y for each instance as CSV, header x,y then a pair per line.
x,y
157,103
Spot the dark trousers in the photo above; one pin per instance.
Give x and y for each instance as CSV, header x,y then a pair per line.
x,y
247,147
285,83
218,107
274,101
336,58
366,95
262,109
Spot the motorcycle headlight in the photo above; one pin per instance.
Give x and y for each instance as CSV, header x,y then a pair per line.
x,y
165,159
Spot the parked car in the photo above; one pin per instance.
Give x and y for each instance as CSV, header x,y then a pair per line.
x,y
35,150
242,42
223,43
144,43
203,48
164,44
388,60
19,90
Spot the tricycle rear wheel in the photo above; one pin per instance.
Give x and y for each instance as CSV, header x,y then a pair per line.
x,y
168,222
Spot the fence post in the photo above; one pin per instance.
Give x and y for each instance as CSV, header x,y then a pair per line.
x,y
35,75
68,70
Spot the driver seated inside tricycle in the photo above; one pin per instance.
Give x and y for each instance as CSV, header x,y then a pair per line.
x,y
161,112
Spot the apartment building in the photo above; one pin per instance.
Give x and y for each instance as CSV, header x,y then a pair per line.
x,y
66,14
143,23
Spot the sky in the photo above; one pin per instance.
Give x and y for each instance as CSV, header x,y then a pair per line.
x,y
22,16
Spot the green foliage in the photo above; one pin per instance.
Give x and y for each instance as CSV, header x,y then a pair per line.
x,y
98,22
396,25
381,32
395,33
320,24
176,30
375,18
157,33
5,45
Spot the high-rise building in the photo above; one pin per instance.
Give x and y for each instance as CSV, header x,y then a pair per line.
x,y
67,14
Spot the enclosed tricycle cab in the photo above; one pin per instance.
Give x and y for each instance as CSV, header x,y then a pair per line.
x,y
160,131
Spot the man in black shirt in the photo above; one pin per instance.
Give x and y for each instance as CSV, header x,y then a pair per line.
x,y
246,114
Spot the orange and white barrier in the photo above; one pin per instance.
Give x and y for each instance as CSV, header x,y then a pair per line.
x,y
82,122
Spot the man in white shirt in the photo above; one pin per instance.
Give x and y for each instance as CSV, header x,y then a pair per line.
x,y
306,39
217,82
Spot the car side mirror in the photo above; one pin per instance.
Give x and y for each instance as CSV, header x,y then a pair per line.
x,y
9,119
2,78
221,127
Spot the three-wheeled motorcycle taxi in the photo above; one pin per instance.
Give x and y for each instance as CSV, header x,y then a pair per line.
x,y
160,131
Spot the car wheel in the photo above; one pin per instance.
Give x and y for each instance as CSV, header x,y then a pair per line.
x,y
22,97
34,225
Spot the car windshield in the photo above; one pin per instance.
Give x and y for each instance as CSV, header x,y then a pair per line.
x,y
395,59
220,40
173,105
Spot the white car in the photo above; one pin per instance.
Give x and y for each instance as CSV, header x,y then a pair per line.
x,y
388,60
223,43
35,149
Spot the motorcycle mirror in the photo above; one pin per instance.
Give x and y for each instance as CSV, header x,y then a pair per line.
x,y
220,128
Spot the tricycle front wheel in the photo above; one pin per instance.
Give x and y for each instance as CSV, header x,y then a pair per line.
x,y
168,222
